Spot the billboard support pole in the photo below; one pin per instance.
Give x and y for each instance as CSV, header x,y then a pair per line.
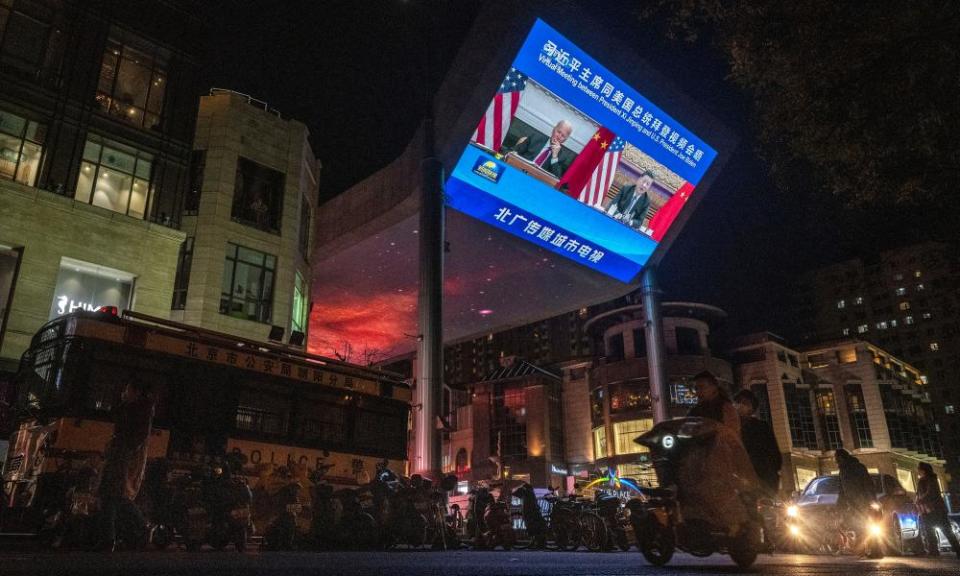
x,y
429,391
653,329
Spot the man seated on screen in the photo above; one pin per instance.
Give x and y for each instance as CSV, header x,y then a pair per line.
x,y
547,153
631,203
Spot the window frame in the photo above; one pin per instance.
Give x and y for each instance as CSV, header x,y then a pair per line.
x,y
158,66
231,263
24,139
138,156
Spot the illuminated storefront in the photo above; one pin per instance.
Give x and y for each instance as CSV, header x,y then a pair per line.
x,y
85,286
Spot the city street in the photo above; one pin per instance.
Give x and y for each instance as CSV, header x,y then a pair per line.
x,y
449,564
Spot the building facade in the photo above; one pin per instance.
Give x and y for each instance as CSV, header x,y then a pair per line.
x,y
97,112
607,403
906,301
577,418
510,424
844,394
244,267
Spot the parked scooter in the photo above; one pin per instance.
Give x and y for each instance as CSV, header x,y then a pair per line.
x,y
660,527
70,520
281,534
228,500
609,508
491,519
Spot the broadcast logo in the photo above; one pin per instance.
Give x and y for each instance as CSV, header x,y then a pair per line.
x,y
488,169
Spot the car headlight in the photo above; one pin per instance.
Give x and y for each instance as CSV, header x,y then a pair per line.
x,y
875,529
793,511
794,530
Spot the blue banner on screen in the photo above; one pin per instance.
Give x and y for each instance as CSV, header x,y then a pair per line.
x,y
571,158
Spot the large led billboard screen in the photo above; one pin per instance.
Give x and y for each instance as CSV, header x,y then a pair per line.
x,y
572,159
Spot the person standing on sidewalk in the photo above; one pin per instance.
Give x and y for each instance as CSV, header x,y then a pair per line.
x,y
124,466
933,512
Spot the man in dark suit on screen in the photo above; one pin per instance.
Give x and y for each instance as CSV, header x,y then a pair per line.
x,y
631,203
547,153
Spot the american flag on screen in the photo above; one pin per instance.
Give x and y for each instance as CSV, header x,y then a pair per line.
x,y
596,188
494,124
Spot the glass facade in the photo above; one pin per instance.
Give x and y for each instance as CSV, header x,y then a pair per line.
x,y
21,147
132,84
624,434
298,315
827,411
599,442
247,289
115,177
508,430
628,397
803,432
862,436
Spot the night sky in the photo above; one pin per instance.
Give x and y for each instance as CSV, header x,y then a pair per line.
x,y
344,69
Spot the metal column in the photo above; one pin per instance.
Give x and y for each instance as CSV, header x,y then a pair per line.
x,y
428,444
653,329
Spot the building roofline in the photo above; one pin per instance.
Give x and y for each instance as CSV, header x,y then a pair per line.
x,y
678,309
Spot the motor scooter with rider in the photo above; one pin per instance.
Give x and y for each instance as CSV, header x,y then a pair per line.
x,y
667,518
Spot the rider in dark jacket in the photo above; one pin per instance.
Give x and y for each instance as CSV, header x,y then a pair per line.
x,y
760,442
933,511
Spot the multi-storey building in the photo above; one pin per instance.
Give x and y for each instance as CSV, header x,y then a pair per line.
x,y
97,112
906,301
844,394
607,402
244,267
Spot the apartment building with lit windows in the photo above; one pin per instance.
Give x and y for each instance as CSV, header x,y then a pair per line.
x,y
906,301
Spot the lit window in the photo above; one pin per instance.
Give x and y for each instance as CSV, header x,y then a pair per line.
x,y
625,432
908,320
920,287
948,409
247,289
132,83
893,323
916,274
927,315
935,346
901,291
114,177
298,316
846,331
882,325
841,304
924,379
862,328
599,442
21,144
898,277
847,355
904,305
858,301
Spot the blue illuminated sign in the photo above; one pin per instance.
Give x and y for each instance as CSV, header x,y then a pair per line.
x,y
571,158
